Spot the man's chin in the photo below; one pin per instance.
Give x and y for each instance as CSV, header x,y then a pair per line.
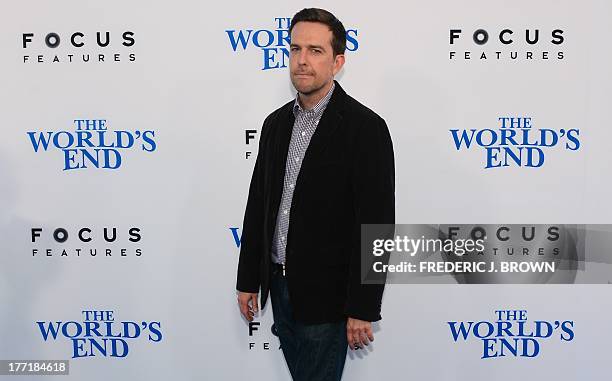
x,y
306,89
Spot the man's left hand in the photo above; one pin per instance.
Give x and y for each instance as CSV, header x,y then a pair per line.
x,y
358,333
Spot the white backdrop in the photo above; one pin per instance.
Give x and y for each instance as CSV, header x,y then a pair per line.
x,y
199,96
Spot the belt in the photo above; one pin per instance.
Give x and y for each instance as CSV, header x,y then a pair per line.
x,y
278,269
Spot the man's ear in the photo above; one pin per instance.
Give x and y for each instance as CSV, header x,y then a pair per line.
x,y
338,63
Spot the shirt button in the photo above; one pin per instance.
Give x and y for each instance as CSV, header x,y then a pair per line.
x,y
285,211
291,186
282,238
297,159
303,133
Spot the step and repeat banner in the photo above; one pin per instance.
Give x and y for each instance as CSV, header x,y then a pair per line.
x,y
130,132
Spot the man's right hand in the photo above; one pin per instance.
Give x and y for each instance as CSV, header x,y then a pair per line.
x,y
247,301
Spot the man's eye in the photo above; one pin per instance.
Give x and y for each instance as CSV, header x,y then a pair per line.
x,y
317,51
294,49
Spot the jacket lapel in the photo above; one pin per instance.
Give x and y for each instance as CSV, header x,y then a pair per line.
x,y
284,127
328,124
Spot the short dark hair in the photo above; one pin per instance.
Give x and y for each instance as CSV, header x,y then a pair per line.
x,y
338,41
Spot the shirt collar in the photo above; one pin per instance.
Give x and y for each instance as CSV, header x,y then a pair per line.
x,y
319,107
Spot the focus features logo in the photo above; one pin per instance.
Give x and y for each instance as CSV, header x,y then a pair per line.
x,y
248,136
86,242
78,47
256,341
506,45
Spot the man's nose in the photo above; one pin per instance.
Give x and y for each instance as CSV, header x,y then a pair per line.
x,y
302,57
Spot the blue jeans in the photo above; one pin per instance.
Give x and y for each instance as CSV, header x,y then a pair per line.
x,y
314,352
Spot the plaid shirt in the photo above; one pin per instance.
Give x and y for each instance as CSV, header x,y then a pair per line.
x,y
306,122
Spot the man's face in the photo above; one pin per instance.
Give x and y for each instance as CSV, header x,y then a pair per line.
x,y
312,63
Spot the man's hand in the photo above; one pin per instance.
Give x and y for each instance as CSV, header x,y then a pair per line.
x,y
358,333
247,301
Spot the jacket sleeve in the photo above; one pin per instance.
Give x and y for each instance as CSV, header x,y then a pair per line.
x,y
251,241
374,203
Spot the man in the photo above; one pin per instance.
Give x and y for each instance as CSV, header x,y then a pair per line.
x,y
324,167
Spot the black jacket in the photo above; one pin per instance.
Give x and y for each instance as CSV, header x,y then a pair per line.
x,y
346,179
